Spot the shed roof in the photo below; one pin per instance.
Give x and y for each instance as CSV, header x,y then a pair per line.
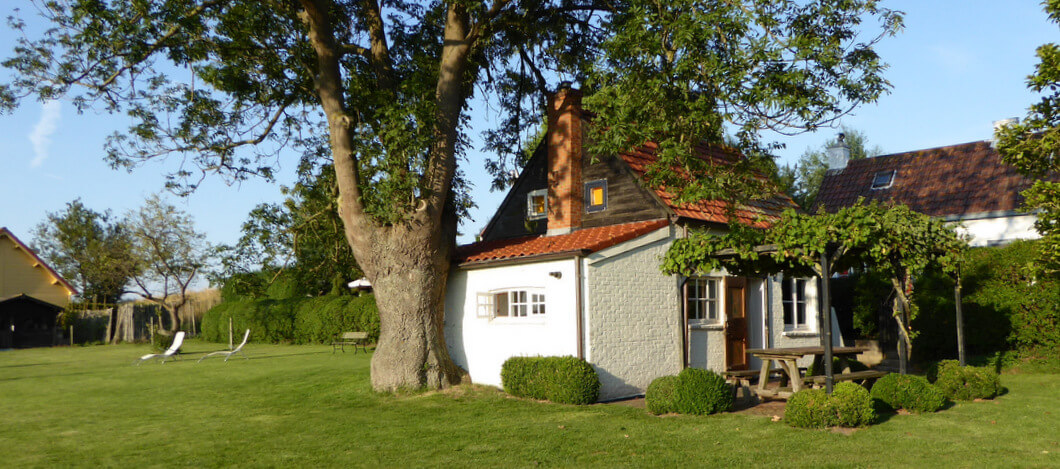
x,y
582,241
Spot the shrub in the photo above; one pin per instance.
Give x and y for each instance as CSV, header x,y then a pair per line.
x,y
912,393
566,380
701,392
853,364
853,405
810,408
298,320
965,383
660,395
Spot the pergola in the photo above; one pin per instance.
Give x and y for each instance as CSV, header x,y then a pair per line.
x,y
824,275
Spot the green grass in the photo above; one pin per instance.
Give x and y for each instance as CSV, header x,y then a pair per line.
x,y
303,406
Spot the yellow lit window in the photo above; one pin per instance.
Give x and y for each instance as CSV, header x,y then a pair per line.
x,y
596,195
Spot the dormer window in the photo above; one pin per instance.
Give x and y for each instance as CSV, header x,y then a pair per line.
x,y
537,204
883,179
596,196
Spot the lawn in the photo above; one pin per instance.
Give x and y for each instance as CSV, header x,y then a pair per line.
x,y
304,406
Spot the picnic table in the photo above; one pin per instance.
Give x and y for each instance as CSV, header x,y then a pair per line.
x,y
786,360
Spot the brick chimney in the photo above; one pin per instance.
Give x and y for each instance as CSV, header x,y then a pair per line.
x,y
565,203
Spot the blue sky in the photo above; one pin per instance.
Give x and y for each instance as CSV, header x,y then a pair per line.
x,y
957,67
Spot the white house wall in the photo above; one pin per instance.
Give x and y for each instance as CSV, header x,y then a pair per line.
x,y
634,316
999,230
481,345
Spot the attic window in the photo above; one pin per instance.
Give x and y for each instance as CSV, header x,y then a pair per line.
x,y
537,204
883,179
596,196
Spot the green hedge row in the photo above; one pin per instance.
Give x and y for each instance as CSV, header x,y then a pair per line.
x,y
692,391
850,405
296,320
566,380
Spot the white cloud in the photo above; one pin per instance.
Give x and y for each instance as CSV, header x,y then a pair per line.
x,y
41,137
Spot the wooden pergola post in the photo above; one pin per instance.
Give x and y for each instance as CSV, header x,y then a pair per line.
x,y
826,321
960,316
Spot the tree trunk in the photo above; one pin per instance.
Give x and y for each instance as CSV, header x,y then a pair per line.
x,y
409,280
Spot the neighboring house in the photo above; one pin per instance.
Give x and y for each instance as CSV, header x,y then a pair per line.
x,y
31,295
964,183
569,265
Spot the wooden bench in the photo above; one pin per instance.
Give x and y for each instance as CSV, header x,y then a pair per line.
x,y
354,339
860,377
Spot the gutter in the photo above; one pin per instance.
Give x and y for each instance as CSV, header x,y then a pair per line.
x,y
579,307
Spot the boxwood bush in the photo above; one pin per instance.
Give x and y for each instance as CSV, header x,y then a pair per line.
x,y
295,320
659,399
701,392
566,380
965,383
850,405
912,393
810,408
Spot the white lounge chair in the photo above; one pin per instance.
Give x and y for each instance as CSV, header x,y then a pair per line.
x,y
228,353
178,340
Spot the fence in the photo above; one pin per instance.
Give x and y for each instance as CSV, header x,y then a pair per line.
x,y
132,321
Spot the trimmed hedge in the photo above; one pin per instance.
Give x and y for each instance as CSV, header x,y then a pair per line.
x,y
566,380
701,392
693,391
659,399
810,408
965,383
912,393
850,405
295,320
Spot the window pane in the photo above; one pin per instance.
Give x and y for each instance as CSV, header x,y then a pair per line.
x,y
712,289
801,317
800,290
598,196
500,304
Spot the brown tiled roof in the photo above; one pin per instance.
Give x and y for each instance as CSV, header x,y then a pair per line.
x,y
759,213
585,241
947,181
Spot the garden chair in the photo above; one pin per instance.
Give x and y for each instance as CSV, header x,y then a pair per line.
x,y
228,353
178,340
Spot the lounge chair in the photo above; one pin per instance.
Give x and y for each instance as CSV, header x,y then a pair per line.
x,y
228,353
178,340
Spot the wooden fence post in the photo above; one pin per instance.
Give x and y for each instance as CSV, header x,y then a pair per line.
x,y
71,336
230,343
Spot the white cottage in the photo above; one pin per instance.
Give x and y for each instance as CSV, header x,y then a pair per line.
x,y
569,265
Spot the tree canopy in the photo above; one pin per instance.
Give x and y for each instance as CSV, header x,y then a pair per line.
x,y
89,248
383,90
1033,144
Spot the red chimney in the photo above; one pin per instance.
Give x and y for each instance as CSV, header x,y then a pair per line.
x,y
565,161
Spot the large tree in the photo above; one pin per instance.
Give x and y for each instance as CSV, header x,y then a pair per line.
x,y
89,249
385,87
1033,146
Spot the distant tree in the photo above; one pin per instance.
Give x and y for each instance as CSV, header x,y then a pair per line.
x,y
1033,146
168,254
300,239
803,180
89,249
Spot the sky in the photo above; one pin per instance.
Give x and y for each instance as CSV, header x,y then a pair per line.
x,y
957,67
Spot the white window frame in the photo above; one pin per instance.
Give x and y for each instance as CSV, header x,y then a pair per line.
x,y
530,215
703,316
517,303
790,301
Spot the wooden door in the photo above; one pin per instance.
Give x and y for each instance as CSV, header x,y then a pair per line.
x,y
736,323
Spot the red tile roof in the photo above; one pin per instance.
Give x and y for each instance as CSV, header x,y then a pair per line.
x,y
585,240
947,181
759,213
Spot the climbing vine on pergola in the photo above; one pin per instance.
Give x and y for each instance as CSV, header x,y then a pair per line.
x,y
891,239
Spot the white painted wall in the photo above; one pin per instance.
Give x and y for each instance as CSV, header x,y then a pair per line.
x,y
481,345
999,230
